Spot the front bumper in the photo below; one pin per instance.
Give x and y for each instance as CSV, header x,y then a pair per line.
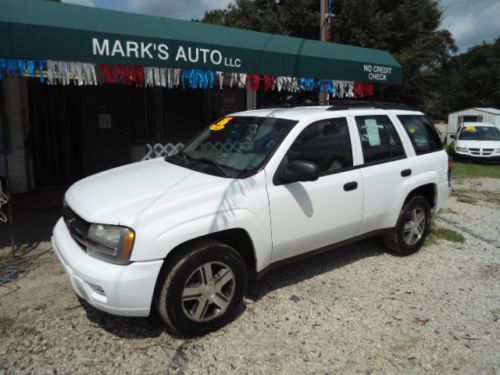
x,y
476,158
119,290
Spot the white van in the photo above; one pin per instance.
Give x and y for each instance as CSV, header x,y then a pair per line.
x,y
477,141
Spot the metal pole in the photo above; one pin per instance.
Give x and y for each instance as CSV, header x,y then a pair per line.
x,y
3,121
322,37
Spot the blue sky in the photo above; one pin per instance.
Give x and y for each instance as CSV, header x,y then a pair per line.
x,y
470,21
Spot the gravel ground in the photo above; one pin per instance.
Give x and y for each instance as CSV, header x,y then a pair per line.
x,y
357,309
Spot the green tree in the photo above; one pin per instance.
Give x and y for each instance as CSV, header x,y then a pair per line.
x,y
406,28
298,18
471,79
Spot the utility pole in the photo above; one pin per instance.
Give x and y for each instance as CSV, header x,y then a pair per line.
x,y
323,20
323,30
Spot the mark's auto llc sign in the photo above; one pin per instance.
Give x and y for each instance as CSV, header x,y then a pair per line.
x,y
162,52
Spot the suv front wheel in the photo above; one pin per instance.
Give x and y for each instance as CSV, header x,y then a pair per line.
x,y
412,228
202,289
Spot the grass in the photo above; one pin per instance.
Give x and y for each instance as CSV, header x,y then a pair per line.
x,y
466,170
439,233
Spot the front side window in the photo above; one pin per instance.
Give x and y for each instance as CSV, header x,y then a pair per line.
x,y
326,143
479,133
421,132
234,147
379,139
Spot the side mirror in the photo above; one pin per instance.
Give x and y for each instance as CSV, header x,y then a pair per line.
x,y
299,170
453,136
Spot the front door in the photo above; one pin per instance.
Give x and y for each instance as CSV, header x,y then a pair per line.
x,y
310,215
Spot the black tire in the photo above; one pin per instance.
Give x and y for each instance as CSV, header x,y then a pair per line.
x,y
396,241
181,269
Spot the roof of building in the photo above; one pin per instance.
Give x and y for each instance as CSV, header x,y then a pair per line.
x,y
494,111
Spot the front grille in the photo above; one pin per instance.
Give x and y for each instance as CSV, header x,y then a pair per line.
x,y
475,151
78,228
487,151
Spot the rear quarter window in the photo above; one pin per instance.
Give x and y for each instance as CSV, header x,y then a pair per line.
x,y
421,131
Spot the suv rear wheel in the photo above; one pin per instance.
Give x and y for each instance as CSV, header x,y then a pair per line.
x,y
412,227
202,289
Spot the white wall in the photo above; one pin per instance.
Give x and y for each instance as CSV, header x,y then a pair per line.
x,y
16,111
487,117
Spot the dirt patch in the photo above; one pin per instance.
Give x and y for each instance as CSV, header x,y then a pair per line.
x,y
490,271
5,324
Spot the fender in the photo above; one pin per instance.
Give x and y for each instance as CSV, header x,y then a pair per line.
x,y
191,229
428,177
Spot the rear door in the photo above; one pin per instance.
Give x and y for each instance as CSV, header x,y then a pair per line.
x,y
428,157
384,167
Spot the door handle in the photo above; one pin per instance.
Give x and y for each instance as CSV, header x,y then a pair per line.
x,y
351,186
405,172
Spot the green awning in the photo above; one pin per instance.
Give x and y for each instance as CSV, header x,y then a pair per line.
x,y
36,29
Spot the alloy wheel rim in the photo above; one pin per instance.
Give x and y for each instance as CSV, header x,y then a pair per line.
x,y
208,291
415,226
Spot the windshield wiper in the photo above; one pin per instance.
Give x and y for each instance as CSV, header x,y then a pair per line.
x,y
213,163
181,155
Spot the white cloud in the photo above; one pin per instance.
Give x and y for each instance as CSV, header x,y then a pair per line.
x,y
88,3
471,22
185,9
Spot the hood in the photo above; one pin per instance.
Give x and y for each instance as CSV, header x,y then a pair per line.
x,y
478,144
112,196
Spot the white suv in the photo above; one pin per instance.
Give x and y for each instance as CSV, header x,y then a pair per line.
x,y
182,235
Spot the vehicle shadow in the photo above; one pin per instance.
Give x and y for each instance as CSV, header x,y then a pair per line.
x,y
135,328
302,270
140,328
36,213
124,327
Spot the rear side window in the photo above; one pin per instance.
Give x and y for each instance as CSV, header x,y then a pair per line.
x,y
379,139
326,143
422,133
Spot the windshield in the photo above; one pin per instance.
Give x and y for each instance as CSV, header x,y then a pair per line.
x,y
479,133
234,146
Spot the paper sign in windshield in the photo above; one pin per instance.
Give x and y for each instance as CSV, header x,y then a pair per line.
x,y
372,132
470,128
221,124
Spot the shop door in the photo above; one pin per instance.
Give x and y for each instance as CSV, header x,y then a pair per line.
x,y
106,114
52,136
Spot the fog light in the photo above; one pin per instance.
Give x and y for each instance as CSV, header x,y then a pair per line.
x,y
97,289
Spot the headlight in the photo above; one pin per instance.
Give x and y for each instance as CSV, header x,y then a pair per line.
x,y
111,243
461,149
497,151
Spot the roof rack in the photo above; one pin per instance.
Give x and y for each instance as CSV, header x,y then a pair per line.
x,y
339,105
